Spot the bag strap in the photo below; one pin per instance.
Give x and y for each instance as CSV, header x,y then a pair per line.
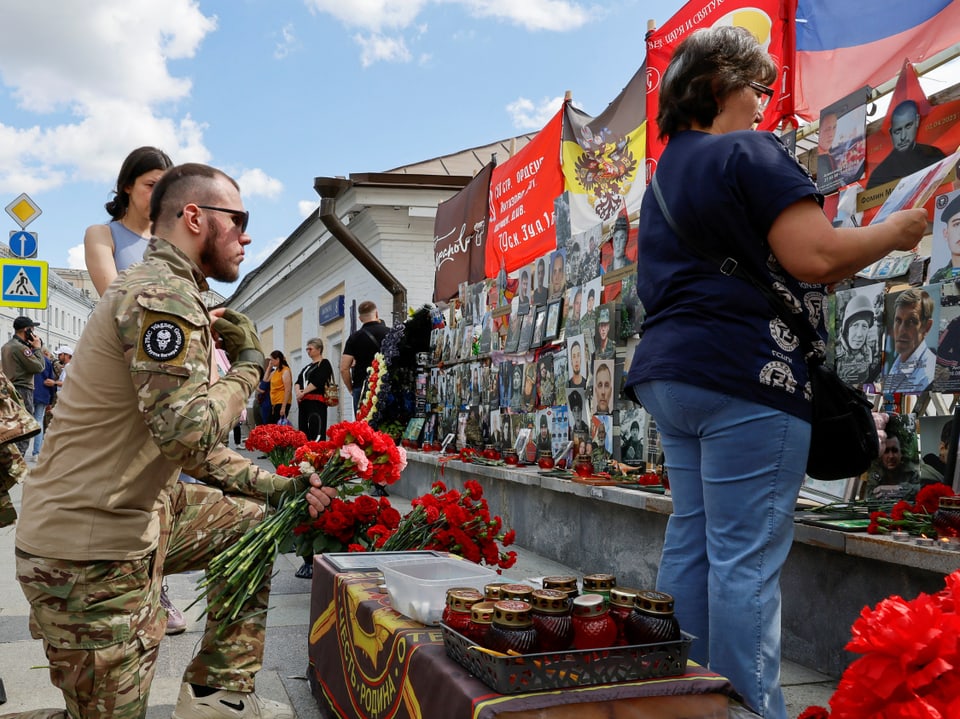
x,y
730,266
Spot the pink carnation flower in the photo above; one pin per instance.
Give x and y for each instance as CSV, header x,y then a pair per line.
x,y
355,455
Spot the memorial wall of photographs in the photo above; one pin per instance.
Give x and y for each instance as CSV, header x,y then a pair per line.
x,y
536,359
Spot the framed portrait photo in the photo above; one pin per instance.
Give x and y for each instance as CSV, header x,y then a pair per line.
x,y
526,332
552,328
539,324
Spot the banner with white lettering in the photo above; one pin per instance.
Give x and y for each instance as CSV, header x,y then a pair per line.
x,y
770,21
459,237
522,192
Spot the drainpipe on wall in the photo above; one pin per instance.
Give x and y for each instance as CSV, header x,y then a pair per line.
x,y
329,188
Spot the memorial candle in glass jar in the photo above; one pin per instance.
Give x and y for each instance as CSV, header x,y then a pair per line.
x,y
552,620
593,627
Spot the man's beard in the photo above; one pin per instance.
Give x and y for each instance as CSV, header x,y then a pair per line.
x,y
215,265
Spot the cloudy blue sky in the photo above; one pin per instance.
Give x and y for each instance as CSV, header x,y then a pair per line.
x,y
277,92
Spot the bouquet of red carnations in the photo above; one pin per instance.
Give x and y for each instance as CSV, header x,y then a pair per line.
x,y
354,451
450,521
277,441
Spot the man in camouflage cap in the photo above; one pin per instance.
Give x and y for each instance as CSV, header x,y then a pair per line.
x,y
103,515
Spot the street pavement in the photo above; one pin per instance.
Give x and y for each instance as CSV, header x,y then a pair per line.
x,y
283,677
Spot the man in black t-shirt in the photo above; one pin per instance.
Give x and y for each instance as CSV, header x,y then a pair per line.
x,y
360,348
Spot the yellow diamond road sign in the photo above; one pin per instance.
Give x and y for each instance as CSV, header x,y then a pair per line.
x,y
23,210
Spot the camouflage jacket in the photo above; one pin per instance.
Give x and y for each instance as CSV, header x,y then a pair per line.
x,y
139,407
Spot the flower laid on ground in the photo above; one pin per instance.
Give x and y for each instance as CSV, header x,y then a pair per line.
x,y
277,441
909,664
450,521
916,518
354,450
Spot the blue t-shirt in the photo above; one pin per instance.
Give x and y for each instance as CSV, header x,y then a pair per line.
x,y
703,327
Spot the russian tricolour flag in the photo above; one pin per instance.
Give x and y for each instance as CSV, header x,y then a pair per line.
x,y
844,45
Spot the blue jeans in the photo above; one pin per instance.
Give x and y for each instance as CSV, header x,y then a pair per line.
x,y
39,409
735,471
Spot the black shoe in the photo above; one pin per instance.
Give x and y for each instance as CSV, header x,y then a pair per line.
x,y
305,571
379,491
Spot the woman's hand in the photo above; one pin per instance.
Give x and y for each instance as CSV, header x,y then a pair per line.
x,y
318,496
910,224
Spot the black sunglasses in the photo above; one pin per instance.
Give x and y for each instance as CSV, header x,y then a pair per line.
x,y
240,217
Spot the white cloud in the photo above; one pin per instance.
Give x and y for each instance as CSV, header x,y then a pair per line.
x,y
75,259
257,183
371,14
526,115
288,42
305,208
376,16
557,15
102,85
376,47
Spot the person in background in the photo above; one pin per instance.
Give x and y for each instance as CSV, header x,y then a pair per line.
x,y
22,360
734,426
360,348
44,391
309,390
64,356
103,512
110,249
312,410
281,387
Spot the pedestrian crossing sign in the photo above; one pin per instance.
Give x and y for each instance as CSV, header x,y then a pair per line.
x,y
23,283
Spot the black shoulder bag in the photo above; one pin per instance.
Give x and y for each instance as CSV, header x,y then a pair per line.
x,y
843,440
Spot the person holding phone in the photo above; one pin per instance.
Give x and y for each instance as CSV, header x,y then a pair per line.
x,y
22,360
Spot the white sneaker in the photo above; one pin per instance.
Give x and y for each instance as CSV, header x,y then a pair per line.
x,y
233,705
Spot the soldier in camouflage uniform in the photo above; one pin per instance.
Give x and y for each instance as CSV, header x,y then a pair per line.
x,y
103,515
16,424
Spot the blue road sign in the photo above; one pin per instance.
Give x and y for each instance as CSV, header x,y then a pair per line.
x,y
23,243
23,283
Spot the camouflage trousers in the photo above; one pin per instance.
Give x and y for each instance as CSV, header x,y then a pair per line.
x,y
101,622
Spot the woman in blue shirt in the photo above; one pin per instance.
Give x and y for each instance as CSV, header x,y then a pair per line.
x,y
722,376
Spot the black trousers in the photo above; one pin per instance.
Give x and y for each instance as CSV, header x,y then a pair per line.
x,y
312,419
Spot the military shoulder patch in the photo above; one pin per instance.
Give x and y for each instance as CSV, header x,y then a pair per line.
x,y
163,339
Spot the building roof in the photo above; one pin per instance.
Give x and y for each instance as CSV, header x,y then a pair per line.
x,y
466,163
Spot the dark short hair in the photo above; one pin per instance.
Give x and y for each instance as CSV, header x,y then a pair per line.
x,y
915,296
139,162
366,307
706,67
182,184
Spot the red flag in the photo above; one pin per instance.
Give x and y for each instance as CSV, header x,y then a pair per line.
x,y
771,21
459,237
522,191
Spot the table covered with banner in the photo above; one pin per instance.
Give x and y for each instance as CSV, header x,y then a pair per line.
x,y
366,661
